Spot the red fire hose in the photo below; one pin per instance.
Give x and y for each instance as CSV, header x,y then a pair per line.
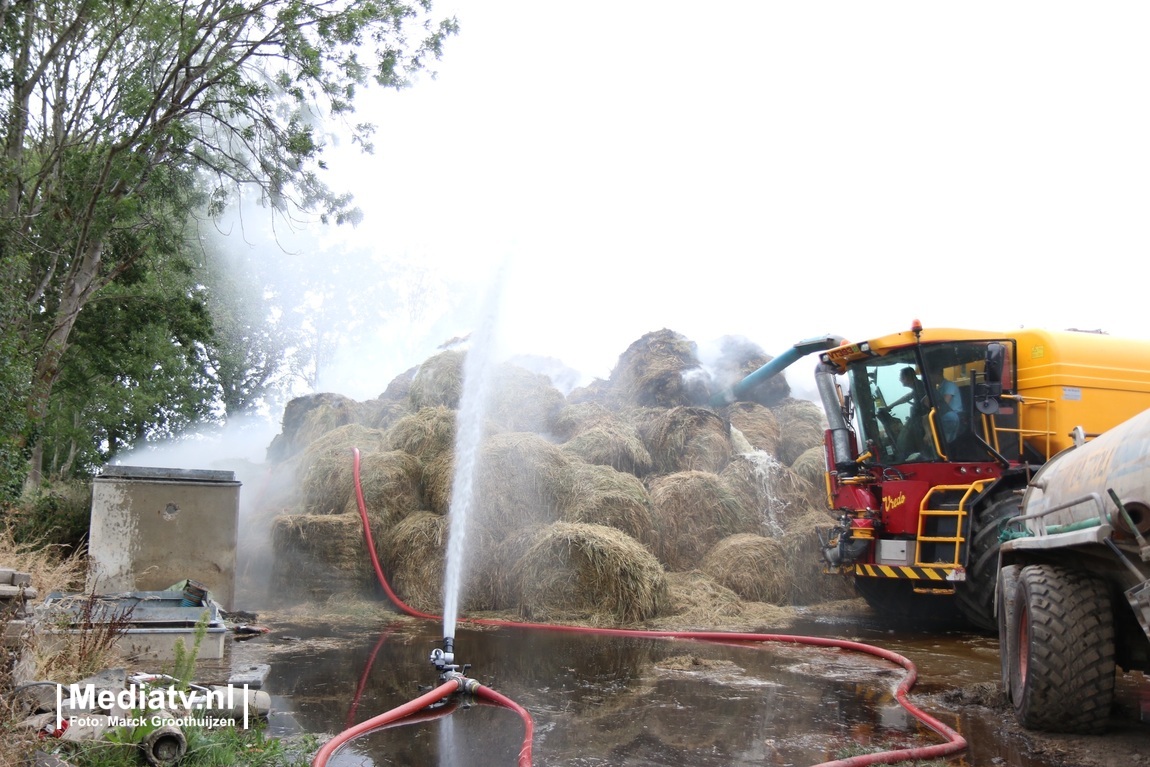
x,y
955,742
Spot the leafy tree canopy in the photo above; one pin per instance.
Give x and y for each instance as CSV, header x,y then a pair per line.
x,y
118,119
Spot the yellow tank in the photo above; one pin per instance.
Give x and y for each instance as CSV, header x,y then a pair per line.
x,y
1093,381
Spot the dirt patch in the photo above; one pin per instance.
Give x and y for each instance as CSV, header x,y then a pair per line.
x,y
1126,741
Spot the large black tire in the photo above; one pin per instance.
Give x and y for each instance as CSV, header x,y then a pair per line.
x,y
1062,650
1007,591
976,594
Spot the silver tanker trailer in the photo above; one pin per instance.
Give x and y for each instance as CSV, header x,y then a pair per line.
x,y
1073,591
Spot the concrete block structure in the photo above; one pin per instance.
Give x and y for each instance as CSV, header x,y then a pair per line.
x,y
152,528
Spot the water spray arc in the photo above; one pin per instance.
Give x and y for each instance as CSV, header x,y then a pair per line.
x,y
477,375
453,682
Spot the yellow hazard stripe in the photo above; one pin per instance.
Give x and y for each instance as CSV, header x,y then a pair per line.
x,y
903,571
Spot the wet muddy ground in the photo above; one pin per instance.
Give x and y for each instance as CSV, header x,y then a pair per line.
x,y
609,701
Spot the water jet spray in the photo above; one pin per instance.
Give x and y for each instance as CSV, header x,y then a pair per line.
x,y
453,681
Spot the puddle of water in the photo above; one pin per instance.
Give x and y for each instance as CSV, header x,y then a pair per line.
x,y
636,702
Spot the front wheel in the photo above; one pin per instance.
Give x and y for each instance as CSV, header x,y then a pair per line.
x,y
1062,650
976,595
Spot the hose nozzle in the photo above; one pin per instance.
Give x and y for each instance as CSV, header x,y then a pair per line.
x,y
444,659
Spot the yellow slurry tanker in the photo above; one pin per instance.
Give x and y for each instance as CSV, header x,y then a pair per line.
x,y
934,434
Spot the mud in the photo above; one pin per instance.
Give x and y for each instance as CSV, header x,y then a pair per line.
x,y
650,703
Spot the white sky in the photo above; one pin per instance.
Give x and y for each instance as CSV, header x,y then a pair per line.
x,y
772,170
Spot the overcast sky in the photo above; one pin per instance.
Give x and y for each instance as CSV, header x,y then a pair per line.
x,y
772,170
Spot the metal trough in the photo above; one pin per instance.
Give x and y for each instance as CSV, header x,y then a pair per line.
x,y
155,621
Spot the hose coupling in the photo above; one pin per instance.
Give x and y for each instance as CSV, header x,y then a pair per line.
x,y
466,684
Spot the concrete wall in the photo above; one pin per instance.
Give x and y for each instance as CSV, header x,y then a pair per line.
x,y
152,528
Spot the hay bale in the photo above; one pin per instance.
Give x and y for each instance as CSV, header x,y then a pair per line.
x,y
737,359
574,419
809,583
336,412
640,418
438,477
661,369
758,424
413,555
382,413
598,572
688,439
812,466
698,598
523,401
693,511
495,568
438,382
752,566
319,556
802,425
399,389
307,418
600,495
769,490
348,438
328,482
427,434
739,443
518,482
697,602
326,468
598,392
613,444
391,487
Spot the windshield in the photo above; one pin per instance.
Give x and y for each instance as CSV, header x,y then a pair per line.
x,y
894,395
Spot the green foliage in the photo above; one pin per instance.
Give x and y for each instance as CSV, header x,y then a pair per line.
x,y
184,663
223,747
133,734
117,122
136,372
57,513
15,386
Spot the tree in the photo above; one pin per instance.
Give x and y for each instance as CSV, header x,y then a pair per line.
x,y
119,117
15,380
247,349
137,370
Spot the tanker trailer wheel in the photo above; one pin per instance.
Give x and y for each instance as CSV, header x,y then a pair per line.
x,y
1007,590
1062,650
976,594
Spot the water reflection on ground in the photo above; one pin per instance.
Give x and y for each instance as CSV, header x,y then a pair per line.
x,y
610,701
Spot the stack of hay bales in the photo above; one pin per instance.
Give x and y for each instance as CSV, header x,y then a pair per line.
x,y
738,358
625,501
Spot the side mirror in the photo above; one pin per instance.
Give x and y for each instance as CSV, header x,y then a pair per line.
x,y
987,392
995,359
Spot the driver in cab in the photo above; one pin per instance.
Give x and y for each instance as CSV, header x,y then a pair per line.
x,y
910,437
